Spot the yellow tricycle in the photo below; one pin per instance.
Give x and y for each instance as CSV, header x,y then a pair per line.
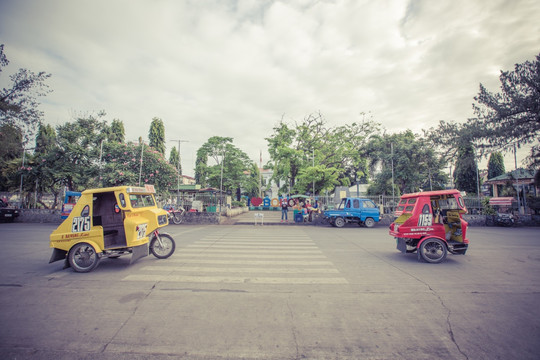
x,y
111,222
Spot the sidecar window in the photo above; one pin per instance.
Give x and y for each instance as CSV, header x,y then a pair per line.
x,y
85,211
138,201
122,200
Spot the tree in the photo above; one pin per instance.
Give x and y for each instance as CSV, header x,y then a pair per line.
x,y
311,154
76,159
174,157
18,103
201,167
234,162
45,139
156,135
11,148
117,131
416,165
122,166
465,174
511,116
496,165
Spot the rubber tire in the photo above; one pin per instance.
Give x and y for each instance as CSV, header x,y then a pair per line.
x,y
177,218
168,240
339,222
83,258
369,223
434,247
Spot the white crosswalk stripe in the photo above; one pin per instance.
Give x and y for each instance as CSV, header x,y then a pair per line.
x,y
242,257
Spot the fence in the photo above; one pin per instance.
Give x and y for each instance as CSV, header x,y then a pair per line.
x,y
211,201
389,203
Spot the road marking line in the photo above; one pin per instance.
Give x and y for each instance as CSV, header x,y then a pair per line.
x,y
235,279
206,269
252,256
251,262
251,251
255,243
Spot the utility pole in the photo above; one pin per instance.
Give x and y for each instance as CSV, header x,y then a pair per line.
x,y
140,167
392,161
179,172
517,179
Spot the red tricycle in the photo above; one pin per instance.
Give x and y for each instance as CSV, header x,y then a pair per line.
x,y
431,224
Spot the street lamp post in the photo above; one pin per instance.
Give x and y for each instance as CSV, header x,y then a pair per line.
x,y
313,155
221,183
179,172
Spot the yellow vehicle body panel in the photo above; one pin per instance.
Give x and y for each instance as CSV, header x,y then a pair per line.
x,y
123,217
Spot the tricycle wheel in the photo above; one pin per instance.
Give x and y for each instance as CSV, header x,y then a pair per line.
x,y
163,247
369,223
339,222
177,218
432,250
83,257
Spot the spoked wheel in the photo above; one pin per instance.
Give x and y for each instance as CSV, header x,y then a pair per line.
x,y
432,250
339,222
177,218
163,247
369,223
83,257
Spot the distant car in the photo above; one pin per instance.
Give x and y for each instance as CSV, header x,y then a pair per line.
x,y
7,213
364,212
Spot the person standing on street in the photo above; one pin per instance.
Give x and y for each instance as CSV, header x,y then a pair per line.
x,y
284,209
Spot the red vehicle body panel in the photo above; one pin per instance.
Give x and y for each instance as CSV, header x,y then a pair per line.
x,y
431,214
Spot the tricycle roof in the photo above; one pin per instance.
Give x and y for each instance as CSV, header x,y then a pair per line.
x,y
431,193
147,189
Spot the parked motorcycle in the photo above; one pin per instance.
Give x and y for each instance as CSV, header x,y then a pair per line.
x,y
504,219
176,216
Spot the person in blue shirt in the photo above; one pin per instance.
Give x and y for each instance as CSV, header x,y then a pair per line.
x,y
284,210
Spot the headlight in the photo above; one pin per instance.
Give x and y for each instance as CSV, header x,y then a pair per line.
x,y
162,219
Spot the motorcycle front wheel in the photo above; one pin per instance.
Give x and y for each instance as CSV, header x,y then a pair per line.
x,y
177,218
164,248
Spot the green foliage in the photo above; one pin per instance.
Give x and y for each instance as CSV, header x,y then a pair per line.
x,y
117,132
73,160
512,115
487,208
10,155
415,164
250,183
496,165
46,139
201,168
465,174
230,160
18,102
174,158
313,152
122,166
156,135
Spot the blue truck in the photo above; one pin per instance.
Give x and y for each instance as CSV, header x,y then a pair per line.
x,y
364,212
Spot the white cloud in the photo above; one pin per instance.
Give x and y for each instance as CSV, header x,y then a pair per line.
x,y
234,68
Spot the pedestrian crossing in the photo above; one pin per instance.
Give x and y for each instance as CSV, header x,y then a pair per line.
x,y
245,256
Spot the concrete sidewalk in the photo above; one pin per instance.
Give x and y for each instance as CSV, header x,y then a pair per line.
x,y
268,218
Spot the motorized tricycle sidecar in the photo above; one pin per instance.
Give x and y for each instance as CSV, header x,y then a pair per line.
x,y
111,222
431,224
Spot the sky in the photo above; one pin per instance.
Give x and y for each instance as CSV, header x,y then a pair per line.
x,y
237,68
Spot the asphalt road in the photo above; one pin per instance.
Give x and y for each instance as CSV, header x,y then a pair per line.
x,y
274,292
